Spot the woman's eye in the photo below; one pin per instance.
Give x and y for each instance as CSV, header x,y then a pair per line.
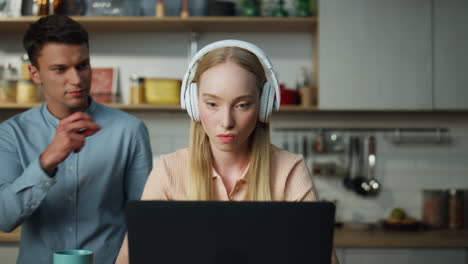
x,y
211,104
244,105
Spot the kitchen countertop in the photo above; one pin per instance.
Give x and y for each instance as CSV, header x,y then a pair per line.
x,y
381,238
358,238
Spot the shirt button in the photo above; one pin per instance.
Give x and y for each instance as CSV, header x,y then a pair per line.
x,y
70,229
48,184
70,197
33,206
71,168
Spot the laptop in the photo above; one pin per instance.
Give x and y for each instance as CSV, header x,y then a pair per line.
x,y
168,232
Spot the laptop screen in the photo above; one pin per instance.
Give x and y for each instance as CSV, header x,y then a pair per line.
x,y
230,232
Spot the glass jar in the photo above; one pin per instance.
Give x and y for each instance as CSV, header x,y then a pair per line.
x,y
434,212
27,92
455,209
8,81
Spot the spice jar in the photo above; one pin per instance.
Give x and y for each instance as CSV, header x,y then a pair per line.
x,y
455,208
434,212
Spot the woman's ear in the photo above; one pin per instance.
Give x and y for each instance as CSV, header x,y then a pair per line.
x,y
34,72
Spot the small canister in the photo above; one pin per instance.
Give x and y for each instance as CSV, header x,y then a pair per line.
x,y
162,91
434,212
455,209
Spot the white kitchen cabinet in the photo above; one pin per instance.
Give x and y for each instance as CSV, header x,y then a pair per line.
x,y
450,54
375,54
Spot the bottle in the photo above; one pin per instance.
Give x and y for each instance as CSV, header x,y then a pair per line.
x,y
59,7
250,8
25,75
185,9
137,93
304,88
160,9
43,7
280,11
303,8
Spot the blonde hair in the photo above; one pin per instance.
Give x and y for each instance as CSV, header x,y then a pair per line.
x,y
201,158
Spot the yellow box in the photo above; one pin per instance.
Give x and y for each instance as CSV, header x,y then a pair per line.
x,y
162,91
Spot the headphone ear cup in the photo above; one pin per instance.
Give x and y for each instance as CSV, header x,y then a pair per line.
x,y
266,102
188,102
193,99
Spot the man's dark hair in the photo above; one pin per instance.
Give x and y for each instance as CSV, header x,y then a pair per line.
x,y
55,29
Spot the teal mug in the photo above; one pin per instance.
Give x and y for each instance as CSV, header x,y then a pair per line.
x,y
75,256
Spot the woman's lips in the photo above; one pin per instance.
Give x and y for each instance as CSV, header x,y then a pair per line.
x,y
226,138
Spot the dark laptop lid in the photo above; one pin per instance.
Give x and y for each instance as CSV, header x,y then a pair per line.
x,y
165,232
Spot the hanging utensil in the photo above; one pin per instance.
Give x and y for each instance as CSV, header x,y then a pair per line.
x,y
374,185
348,180
359,181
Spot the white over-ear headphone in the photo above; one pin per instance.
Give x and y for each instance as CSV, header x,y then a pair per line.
x,y
189,89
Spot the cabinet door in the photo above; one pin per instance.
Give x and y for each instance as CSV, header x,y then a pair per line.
x,y
450,54
375,54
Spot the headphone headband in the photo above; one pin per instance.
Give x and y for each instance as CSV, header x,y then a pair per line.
x,y
267,66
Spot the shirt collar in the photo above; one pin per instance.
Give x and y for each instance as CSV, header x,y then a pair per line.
x,y
55,121
244,177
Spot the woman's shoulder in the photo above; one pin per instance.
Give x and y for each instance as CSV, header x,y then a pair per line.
x,y
281,155
180,156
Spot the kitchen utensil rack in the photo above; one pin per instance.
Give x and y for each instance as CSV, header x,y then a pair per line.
x,y
397,135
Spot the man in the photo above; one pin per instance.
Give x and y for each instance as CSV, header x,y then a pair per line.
x,y
68,167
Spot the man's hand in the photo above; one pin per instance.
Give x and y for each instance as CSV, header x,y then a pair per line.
x,y
70,136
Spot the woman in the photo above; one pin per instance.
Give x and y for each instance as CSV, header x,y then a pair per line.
x,y
230,156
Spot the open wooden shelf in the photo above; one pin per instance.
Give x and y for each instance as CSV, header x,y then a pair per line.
x,y
151,107
177,24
